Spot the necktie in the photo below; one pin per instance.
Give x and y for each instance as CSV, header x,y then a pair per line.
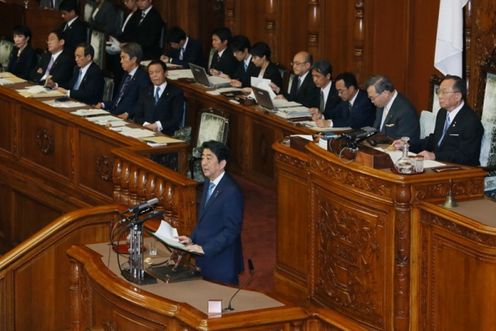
x,y
78,81
157,94
447,123
211,188
124,85
299,82
245,66
66,27
385,112
143,14
350,106
181,53
294,87
322,102
50,64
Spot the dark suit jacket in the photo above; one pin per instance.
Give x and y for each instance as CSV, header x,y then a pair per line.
x,y
132,24
227,63
218,231
361,114
147,34
331,109
192,54
401,121
169,110
130,96
461,143
106,19
91,88
272,72
23,65
76,34
61,70
245,76
308,94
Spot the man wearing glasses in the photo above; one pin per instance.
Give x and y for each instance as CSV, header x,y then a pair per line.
x,y
458,132
302,89
395,116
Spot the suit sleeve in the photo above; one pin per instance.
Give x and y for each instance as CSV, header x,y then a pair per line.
x,y
175,116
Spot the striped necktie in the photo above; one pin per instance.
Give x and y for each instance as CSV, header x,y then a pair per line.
x,y
211,188
447,123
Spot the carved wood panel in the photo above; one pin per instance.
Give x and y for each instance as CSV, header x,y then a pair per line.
x,y
46,142
6,126
350,242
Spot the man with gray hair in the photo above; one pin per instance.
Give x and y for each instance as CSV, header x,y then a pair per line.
x,y
134,80
395,117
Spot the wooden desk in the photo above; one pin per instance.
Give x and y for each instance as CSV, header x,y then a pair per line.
x,y
252,131
344,233
456,275
101,298
52,162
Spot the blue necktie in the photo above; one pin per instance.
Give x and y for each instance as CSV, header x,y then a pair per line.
x,y
79,80
124,85
445,128
211,188
157,94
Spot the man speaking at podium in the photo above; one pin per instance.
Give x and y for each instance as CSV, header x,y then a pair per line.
x,y
217,234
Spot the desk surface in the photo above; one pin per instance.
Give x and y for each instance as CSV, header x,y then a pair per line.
x,y
480,210
195,292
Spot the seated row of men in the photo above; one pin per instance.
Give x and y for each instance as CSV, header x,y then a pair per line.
x,y
334,103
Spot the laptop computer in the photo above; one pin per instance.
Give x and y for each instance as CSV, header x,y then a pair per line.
x,y
201,77
283,108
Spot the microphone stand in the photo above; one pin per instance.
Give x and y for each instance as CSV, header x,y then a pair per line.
x,y
252,271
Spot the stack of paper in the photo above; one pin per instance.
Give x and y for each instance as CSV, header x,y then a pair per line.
x,y
107,120
64,104
136,132
89,112
7,78
180,73
293,112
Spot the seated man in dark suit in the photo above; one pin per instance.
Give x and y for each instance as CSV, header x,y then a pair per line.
x,y
56,63
220,219
458,131
355,109
223,60
182,49
74,28
329,100
395,117
240,46
302,89
145,28
161,106
22,58
87,81
124,103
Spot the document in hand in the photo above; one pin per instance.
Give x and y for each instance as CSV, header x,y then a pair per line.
x,y
169,236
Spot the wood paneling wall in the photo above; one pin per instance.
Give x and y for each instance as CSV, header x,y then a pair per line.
x,y
395,38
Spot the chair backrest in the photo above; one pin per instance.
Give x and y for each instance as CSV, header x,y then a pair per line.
x,y
427,123
108,89
5,50
212,127
97,40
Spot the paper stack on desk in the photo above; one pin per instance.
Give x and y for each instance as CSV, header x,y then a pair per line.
x,y
293,112
89,112
180,73
38,91
7,78
64,104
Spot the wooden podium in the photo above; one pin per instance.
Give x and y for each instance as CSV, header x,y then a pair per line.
x,y
344,233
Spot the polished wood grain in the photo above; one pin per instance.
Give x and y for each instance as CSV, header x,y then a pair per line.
x,y
344,233
457,255
34,276
100,299
53,162
252,131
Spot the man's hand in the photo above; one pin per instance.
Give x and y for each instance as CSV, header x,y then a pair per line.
x,y
185,240
195,249
151,126
124,116
235,83
427,155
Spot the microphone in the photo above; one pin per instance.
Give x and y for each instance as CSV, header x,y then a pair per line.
x,y
146,218
251,270
143,207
